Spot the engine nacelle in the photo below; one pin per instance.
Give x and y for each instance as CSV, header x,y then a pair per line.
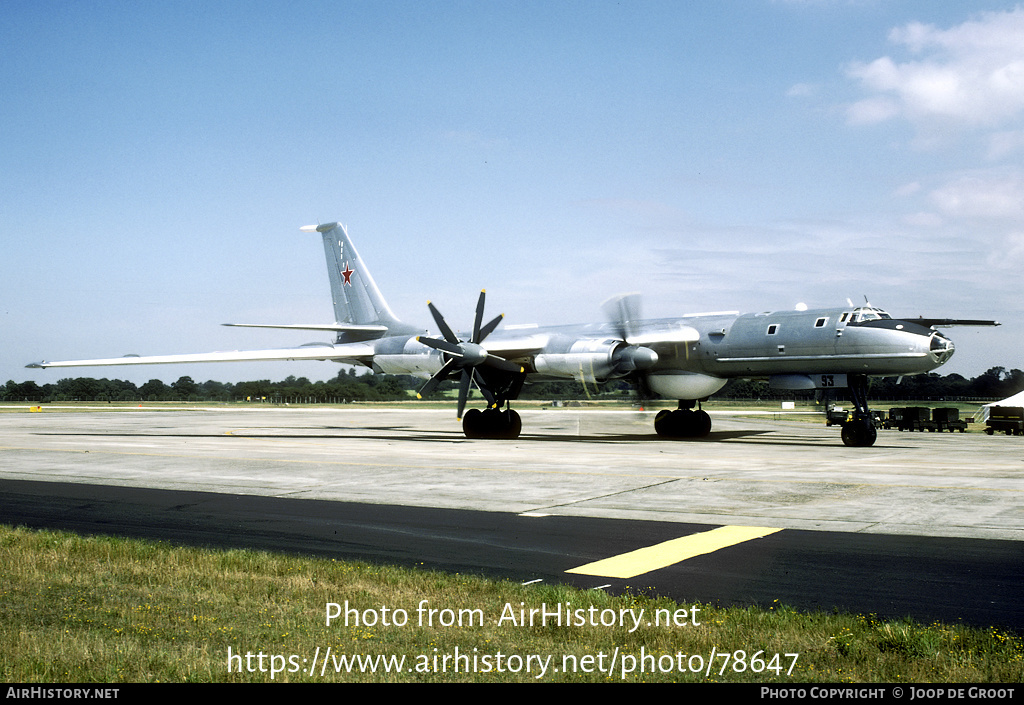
x,y
596,359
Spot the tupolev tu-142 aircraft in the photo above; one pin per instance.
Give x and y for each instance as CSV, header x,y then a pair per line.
x,y
688,358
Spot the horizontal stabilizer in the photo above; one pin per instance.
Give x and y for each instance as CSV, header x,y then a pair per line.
x,y
335,327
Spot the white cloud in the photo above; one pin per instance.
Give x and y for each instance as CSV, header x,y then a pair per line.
x,y
985,210
986,196
1003,144
909,189
923,220
802,90
1010,256
971,74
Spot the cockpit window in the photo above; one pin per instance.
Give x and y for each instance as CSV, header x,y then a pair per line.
x,y
868,313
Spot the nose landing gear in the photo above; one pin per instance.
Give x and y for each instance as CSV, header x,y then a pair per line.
x,y
859,431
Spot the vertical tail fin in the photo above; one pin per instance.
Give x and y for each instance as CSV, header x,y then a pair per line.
x,y
357,300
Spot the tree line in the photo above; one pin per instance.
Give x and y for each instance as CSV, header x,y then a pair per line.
x,y
995,383
347,386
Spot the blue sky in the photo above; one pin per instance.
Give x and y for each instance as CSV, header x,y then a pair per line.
x,y
157,160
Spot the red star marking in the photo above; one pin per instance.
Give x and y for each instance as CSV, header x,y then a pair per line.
x,y
347,273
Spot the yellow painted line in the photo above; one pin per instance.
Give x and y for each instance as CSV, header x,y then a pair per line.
x,y
644,560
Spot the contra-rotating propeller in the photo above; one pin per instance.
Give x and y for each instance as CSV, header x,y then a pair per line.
x,y
633,360
466,356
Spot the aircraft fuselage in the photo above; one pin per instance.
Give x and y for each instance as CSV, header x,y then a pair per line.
x,y
709,349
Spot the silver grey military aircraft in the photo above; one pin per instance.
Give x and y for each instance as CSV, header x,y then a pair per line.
x,y
688,358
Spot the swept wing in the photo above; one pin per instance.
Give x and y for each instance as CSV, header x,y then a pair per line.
x,y
351,353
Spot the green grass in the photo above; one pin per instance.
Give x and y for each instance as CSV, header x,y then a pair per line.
x,y
101,609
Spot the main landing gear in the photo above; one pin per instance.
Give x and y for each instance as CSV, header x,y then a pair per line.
x,y
492,423
859,430
683,422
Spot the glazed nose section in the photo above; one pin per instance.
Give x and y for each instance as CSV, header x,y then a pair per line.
x,y
941,347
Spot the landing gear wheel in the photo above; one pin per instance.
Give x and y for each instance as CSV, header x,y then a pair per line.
x,y
702,423
662,425
492,423
682,423
513,424
473,423
859,433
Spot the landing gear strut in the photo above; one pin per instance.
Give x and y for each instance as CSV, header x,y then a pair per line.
x,y
683,422
859,431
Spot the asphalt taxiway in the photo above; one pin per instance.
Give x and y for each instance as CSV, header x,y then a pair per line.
x,y
929,524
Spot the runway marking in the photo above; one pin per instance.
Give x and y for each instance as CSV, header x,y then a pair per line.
x,y
644,560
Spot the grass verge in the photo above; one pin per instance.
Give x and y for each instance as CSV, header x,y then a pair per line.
x,y
102,609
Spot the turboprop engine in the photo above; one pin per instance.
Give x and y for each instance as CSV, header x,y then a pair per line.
x,y
597,359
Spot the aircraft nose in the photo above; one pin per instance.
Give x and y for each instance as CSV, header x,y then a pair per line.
x,y
941,347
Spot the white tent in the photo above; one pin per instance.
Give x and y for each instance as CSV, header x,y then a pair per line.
x,y
981,416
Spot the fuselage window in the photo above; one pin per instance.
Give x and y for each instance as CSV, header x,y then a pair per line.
x,y
820,323
773,328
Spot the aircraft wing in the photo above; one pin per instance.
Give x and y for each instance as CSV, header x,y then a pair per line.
x,y
668,337
524,346
352,353
519,346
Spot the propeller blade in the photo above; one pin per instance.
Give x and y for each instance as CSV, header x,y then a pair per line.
x,y
482,386
489,328
623,312
500,363
441,325
442,345
463,392
479,316
438,377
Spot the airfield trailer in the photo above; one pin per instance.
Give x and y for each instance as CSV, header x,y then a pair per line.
x,y
1008,419
921,418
